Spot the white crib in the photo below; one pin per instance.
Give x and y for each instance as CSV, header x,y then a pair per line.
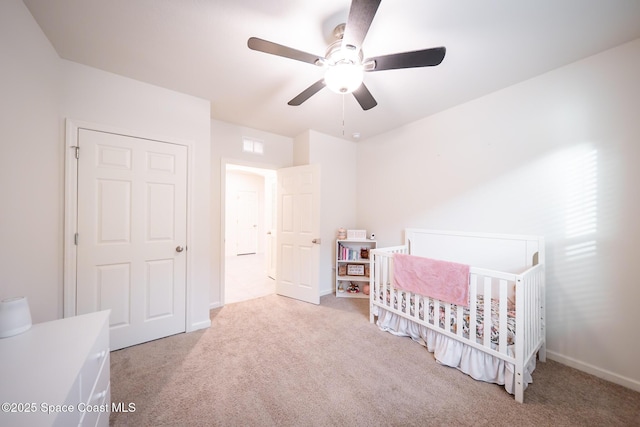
x,y
509,269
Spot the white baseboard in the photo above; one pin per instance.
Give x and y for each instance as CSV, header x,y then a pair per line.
x,y
199,325
594,370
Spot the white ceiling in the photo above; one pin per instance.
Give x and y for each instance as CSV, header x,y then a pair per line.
x,y
199,47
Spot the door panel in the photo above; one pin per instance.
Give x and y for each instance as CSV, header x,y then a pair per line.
x,y
306,267
159,287
132,196
114,289
160,212
298,225
114,211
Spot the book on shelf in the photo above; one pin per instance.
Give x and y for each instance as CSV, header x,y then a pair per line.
x,y
347,253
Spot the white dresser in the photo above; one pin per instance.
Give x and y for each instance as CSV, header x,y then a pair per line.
x,y
57,373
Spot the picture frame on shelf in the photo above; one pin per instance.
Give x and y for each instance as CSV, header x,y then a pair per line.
x,y
355,270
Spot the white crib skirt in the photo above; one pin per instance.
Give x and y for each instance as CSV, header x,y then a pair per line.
x,y
450,352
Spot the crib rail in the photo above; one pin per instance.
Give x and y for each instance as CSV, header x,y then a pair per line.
x,y
416,307
382,266
484,286
530,322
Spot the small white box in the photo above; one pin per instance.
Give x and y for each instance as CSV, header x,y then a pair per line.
x,y
356,234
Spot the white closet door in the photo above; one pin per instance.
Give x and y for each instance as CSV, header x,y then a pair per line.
x,y
132,199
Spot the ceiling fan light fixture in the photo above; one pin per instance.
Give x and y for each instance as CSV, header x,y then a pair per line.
x,y
344,77
344,62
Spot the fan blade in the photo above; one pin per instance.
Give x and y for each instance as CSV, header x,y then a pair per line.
x,y
307,93
418,58
364,97
280,50
360,17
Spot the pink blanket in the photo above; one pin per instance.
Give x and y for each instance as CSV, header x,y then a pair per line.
x,y
442,280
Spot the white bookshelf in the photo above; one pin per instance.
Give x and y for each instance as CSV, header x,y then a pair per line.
x,y
353,267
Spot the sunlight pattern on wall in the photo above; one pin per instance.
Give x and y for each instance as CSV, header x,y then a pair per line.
x,y
581,209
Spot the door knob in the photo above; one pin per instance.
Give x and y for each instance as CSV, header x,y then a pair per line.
x,y
179,249
316,241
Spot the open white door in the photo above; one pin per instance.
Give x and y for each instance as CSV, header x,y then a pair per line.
x,y
132,223
271,250
298,233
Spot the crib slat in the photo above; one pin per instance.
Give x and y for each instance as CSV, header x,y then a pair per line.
x,y
378,263
487,312
533,315
503,330
459,321
536,318
447,316
473,308
527,314
539,304
415,307
386,281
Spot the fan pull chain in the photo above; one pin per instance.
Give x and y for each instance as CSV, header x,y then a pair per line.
x,y
342,115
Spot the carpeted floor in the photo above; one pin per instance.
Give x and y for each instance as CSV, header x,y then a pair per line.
x,y
274,361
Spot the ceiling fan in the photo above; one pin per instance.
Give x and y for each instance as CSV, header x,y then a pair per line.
x,y
344,61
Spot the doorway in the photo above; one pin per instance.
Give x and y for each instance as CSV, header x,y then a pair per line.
x,y
249,230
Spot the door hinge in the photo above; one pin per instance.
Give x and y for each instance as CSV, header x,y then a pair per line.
x,y
77,151
75,239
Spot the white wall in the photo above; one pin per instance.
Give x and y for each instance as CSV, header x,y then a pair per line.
x,y
555,156
301,147
30,164
339,175
39,91
226,147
